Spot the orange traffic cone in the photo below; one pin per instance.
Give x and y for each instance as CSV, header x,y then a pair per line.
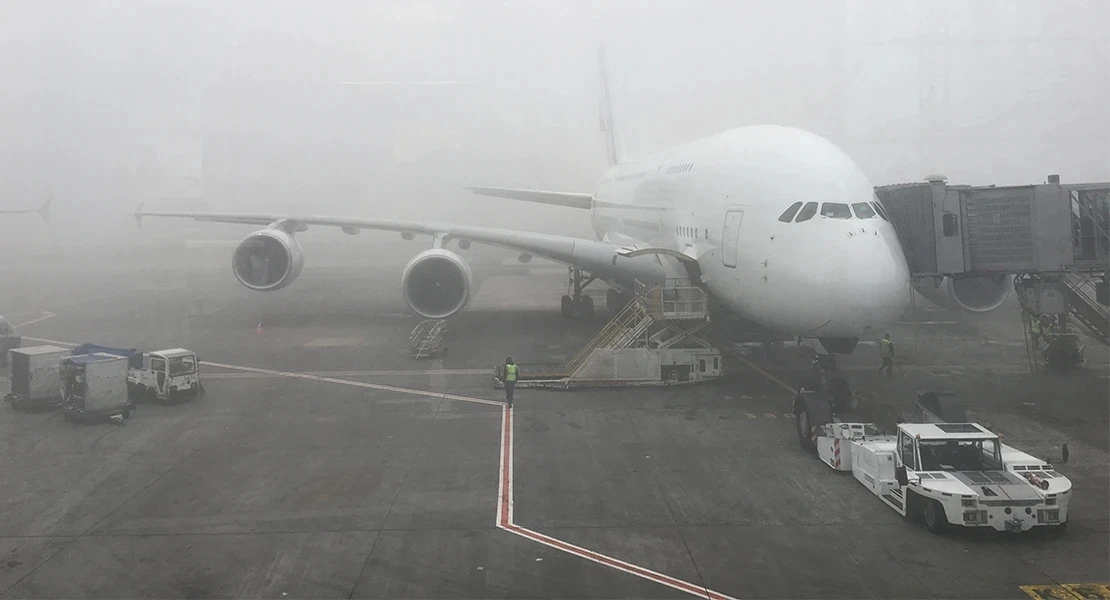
x,y
259,329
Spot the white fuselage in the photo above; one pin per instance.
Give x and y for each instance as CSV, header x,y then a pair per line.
x,y
719,199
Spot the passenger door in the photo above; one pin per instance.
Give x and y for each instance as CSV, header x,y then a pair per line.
x,y
730,236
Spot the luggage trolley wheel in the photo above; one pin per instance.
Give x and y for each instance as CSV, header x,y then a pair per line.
x,y
811,412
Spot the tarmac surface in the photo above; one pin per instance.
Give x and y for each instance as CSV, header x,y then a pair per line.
x,y
324,462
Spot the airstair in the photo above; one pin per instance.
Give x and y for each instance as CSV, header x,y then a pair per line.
x,y
1084,307
427,339
654,340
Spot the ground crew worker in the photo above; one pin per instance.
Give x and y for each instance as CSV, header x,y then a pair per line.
x,y
510,380
886,351
1036,330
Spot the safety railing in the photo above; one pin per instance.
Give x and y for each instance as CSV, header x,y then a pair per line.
x,y
1085,307
623,329
427,338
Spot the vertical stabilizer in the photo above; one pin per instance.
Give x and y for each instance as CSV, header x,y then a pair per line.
x,y
608,125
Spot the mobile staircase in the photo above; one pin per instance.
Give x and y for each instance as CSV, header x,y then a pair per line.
x,y
654,340
427,339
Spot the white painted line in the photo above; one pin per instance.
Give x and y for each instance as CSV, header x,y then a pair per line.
x,y
55,342
44,315
928,322
245,375
363,384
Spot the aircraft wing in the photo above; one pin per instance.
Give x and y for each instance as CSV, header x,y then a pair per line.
x,y
568,199
599,258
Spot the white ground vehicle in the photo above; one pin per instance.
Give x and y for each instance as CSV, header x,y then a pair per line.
x,y
948,474
165,374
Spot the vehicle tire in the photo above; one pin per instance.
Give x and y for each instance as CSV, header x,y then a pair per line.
x,y
567,306
673,376
933,515
587,306
811,412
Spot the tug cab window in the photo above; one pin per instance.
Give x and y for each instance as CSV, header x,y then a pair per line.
x,y
836,210
807,213
788,216
863,210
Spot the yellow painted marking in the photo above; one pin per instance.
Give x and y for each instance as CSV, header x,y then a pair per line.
x,y
751,416
769,376
788,415
770,415
1068,591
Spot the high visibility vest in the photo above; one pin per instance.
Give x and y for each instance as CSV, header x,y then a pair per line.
x,y
510,372
886,348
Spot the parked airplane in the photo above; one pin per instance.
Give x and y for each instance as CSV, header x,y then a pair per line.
x,y
777,224
44,211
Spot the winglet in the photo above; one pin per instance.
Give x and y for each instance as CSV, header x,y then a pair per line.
x,y
138,214
44,212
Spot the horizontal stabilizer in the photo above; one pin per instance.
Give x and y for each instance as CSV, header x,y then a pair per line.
x,y
569,199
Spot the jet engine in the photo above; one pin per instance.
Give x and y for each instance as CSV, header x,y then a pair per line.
x,y
437,283
267,260
979,293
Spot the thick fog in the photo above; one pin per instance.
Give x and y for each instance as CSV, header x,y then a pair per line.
x,y
386,109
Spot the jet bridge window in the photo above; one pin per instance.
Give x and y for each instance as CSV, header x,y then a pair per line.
x,y
836,210
788,215
863,210
807,213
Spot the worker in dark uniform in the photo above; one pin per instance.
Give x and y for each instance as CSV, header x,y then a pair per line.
x,y
886,351
510,380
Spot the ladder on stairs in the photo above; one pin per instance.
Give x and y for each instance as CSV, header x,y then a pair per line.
x,y
426,340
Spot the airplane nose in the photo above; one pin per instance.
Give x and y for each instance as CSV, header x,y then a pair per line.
x,y
871,289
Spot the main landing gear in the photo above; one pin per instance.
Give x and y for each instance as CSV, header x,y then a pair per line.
x,y
575,303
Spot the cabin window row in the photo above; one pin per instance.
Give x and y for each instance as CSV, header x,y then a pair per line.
x,y
833,210
680,168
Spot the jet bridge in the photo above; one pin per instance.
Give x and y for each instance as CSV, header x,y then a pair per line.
x,y
965,245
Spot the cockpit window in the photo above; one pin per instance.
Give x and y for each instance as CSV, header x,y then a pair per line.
x,y
879,209
836,210
863,210
807,213
788,216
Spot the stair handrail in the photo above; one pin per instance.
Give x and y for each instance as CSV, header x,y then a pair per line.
x,y
626,318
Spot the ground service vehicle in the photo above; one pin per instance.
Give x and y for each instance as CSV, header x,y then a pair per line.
x,y
33,373
94,386
166,375
947,474
159,375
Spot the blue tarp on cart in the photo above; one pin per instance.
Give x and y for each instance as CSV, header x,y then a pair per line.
x,y
134,357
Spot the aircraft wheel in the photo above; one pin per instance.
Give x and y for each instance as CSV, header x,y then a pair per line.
x,y
933,515
587,306
611,299
811,412
567,307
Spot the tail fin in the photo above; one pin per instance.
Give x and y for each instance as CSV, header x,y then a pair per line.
x,y
613,140
44,212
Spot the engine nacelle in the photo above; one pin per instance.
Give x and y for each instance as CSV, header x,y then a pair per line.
x,y
980,293
267,260
437,283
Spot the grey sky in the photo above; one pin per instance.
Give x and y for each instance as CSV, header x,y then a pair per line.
x,y
110,103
